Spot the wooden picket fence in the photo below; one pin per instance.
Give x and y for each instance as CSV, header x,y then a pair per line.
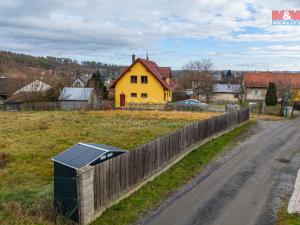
x,y
174,107
65,106
117,176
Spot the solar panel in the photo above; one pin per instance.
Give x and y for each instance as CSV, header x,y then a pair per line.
x,y
78,156
83,154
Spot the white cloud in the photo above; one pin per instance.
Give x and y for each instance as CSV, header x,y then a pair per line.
x,y
93,27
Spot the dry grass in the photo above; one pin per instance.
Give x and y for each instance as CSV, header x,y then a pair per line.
x,y
4,159
32,138
266,117
173,115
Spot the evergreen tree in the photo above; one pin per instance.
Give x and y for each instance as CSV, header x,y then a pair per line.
x,y
229,74
271,95
97,83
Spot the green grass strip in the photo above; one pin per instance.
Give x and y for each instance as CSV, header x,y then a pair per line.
x,y
153,193
284,218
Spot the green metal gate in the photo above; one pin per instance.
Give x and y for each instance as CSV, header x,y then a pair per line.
x,y
66,198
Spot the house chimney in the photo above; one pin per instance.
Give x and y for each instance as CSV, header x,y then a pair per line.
x,y
133,58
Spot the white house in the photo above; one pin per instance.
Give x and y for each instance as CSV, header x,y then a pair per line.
x,y
82,80
226,92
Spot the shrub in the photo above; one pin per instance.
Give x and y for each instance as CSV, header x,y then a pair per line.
x,y
271,95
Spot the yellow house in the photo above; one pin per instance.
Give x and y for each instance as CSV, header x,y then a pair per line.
x,y
143,82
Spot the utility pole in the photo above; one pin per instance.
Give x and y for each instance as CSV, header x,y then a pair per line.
x,y
286,98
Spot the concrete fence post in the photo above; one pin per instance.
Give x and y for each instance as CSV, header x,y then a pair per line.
x,y
86,194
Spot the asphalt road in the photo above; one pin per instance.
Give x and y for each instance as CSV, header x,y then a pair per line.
x,y
245,186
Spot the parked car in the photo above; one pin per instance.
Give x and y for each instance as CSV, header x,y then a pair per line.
x,y
192,103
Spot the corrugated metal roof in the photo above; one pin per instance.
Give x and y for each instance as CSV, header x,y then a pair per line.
x,y
83,154
76,94
226,88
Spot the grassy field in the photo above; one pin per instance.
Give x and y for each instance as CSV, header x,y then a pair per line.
x,y
29,139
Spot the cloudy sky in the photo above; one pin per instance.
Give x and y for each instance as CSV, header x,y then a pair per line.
x,y
233,34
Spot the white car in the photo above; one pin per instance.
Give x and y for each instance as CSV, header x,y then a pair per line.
x,y
192,103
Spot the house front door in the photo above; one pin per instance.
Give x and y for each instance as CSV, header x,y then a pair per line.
x,y
122,100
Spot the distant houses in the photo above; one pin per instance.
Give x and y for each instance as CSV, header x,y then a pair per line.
x,y
252,85
34,91
144,83
256,84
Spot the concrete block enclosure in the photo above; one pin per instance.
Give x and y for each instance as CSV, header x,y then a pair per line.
x,y
68,167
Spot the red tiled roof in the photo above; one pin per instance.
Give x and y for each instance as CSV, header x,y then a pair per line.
x,y
165,71
124,69
262,79
160,73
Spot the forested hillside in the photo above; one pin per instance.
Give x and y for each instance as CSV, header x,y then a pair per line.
x,y
15,65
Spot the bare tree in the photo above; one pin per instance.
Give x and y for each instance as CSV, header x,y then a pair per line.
x,y
240,90
198,74
37,88
282,87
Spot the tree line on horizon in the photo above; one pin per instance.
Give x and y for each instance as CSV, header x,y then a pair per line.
x,y
10,60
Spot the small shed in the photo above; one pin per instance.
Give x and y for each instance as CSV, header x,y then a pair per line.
x,y
66,165
76,98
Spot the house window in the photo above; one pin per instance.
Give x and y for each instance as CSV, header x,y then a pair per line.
x,y
256,92
144,95
165,96
236,95
144,79
133,95
133,79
